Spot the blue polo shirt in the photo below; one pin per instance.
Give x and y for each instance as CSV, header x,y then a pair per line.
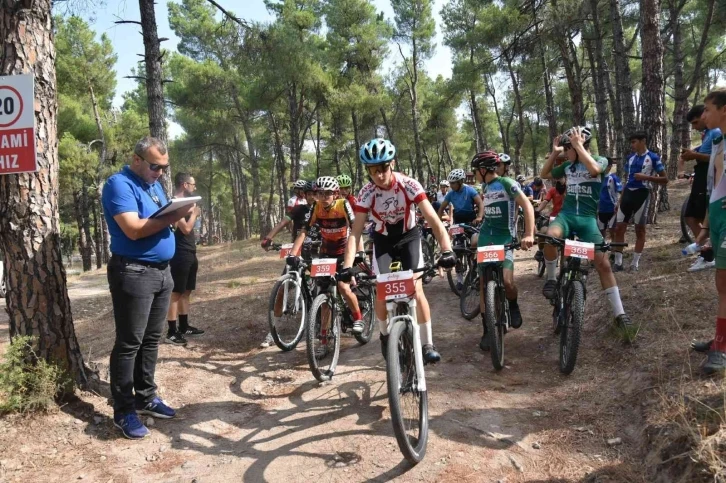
x,y
125,192
462,200
648,163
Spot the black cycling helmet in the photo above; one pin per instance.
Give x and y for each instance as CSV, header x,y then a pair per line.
x,y
488,160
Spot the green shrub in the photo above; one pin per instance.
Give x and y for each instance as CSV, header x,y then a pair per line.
x,y
28,383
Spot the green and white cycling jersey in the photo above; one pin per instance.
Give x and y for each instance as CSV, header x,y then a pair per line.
x,y
583,189
500,209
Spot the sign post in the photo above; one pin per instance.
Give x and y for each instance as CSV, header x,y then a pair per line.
x,y
17,125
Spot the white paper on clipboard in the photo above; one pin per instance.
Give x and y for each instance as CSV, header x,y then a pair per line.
x,y
175,204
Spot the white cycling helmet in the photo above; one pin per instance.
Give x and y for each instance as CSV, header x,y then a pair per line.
x,y
457,176
444,183
327,183
504,158
521,179
565,138
299,184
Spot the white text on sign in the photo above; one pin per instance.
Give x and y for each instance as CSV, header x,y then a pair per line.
x,y
491,253
323,267
396,285
578,249
17,125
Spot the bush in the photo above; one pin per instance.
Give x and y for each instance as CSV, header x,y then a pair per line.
x,y
28,383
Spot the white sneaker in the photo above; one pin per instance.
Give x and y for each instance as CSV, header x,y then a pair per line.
x,y
267,342
701,264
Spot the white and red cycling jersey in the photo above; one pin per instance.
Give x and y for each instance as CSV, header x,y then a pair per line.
x,y
295,201
393,206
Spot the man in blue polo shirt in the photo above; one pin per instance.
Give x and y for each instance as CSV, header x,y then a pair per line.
x,y
644,169
140,282
468,205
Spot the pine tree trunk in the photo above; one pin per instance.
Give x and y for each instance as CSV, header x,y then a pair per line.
x,y
356,139
154,81
83,242
601,101
294,113
87,254
37,298
603,73
574,81
479,139
652,101
97,232
549,98
519,133
623,83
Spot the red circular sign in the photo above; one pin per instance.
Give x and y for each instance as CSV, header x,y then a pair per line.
x,y
20,100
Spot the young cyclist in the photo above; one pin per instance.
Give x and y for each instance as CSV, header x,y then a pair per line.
x,y
297,216
334,217
579,213
607,205
501,198
643,169
391,199
714,225
443,189
345,184
536,189
463,198
556,196
505,162
298,197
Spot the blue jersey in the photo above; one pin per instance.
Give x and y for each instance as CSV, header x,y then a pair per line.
x,y
609,194
533,191
648,164
462,200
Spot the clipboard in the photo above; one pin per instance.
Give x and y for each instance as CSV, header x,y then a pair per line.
x,y
174,205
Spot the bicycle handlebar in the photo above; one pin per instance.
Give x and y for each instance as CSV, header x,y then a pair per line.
x,y
278,246
560,242
425,268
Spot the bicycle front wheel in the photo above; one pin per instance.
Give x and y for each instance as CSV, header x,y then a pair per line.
x,y
367,303
409,406
494,320
572,328
286,313
323,337
469,301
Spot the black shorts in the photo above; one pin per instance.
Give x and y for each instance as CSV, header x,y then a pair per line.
x,y
466,218
405,248
696,207
605,221
634,206
184,267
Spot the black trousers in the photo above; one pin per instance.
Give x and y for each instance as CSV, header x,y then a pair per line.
x,y
140,296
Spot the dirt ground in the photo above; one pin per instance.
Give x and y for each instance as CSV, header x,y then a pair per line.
x,y
253,415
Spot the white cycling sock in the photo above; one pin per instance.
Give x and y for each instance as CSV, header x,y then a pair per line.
x,y
382,326
427,336
636,258
551,267
618,258
613,294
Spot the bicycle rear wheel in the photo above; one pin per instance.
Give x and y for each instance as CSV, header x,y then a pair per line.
x,y
428,254
572,328
367,303
409,406
286,313
494,320
469,301
323,346
462,268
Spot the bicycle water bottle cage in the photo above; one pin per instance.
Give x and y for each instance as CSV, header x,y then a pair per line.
x,y
395,267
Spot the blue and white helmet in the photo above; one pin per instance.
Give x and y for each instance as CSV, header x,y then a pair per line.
x,y
457,176
504,158
377,151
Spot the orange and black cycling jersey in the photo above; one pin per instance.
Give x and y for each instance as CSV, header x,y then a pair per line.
x,y
334,224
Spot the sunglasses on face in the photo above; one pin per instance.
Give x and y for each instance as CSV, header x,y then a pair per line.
x,y
155,167
382,169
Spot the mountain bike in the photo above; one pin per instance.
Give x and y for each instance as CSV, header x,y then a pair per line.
x,y
469,299
405,377
568,314
542,221
496,307
330,316
290,299
460,244
429,246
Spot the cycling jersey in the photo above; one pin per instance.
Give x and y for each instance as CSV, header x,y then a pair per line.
x,y
647,163
462,201
500,212
556,199
334,224
299,216
583,189
533,191
393,210
716,211
295,201
609,194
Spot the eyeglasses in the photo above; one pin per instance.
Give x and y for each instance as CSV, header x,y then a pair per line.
x,y
154,166
381,169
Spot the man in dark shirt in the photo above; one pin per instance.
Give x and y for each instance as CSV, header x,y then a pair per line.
x,y
140,282
183,266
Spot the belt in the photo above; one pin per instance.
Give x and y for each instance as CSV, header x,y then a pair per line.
x,y
132,261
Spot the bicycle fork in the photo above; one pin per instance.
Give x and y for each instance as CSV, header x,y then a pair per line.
x,y
410,320
298,288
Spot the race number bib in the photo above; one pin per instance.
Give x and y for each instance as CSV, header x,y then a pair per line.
x,y
456,230
396,285
323,267
491,253
577,249
285,250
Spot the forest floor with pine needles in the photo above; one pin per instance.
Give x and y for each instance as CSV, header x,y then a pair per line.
x,y
638,412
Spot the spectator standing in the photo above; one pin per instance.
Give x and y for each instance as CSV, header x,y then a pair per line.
x,y
140,282
183,266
